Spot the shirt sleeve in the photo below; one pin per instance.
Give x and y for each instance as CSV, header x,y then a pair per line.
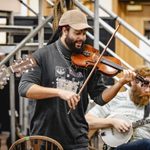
x,y
96,88
100,111
30,78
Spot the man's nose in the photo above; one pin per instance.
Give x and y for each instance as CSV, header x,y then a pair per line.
x,y
82,37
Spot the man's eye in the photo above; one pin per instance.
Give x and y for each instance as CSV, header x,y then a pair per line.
x,y
77,33
84,33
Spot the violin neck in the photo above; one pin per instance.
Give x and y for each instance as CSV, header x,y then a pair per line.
x,y
121,68
112,64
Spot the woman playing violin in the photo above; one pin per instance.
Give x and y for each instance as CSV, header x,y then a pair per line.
x,y
54,85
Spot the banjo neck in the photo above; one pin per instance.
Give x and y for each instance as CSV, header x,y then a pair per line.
x,y
140,123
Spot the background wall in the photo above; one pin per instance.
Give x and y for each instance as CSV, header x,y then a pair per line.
x,y
136,19
10,5
34,4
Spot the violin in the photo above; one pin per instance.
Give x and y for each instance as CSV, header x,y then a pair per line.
x,y
108,65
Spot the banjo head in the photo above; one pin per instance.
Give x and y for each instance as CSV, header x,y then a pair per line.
x,y
112,137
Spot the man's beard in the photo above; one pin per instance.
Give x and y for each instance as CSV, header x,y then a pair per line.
x,y
138,98
71,45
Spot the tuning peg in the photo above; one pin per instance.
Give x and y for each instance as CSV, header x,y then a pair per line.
x,y
4,82
26,71
7,75
6,79
15,62
18,75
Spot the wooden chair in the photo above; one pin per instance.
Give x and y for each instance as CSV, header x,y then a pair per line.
x,y
36,142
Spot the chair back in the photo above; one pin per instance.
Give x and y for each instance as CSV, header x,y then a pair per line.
x,y
36,142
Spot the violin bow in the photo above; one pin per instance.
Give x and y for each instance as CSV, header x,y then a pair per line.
x,y
98,60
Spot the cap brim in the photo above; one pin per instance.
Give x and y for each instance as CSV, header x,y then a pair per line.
x,y
80,26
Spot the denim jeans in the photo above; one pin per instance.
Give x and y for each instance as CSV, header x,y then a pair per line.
x,y
142,144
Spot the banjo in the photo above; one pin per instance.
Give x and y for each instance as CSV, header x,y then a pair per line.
x,y
113,138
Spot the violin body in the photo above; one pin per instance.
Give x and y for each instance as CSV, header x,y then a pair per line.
x,y
108,65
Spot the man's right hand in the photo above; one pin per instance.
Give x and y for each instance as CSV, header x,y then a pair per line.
x,y
71,98
121,125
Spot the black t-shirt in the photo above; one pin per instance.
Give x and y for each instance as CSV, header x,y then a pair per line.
x,y
50,116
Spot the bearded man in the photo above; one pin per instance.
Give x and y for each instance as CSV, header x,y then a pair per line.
x,y
130,106
54,85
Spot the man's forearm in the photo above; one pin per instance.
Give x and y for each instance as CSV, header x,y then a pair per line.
x,y
98,123
111,92
39,92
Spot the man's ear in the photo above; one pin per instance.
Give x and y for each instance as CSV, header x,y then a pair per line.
x,y
63,28
64,31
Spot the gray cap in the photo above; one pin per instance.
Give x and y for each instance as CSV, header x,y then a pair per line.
x,y
75,19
